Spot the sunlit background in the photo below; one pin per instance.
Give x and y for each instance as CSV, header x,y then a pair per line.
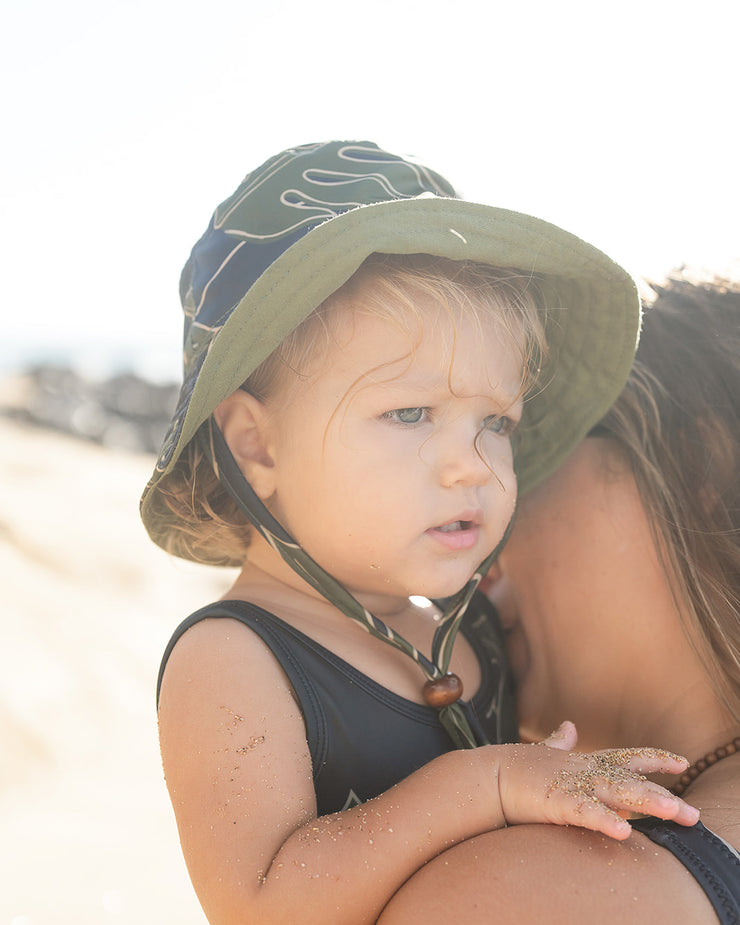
x,y
124,123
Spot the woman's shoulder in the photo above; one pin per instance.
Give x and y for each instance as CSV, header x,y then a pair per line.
x,y
559,875
639,879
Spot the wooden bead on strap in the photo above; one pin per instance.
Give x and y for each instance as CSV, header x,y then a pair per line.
x,y
443,691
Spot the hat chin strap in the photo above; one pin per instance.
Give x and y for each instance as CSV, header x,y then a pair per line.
x,y
452,715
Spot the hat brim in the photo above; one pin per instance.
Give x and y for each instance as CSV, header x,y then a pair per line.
x,y
592,315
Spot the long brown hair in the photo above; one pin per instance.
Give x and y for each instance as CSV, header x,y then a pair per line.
x,y
678,419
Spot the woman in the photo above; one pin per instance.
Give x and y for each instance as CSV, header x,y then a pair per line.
x,y
620,592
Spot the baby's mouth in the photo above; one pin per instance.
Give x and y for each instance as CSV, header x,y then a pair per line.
x,y
456,535
455,526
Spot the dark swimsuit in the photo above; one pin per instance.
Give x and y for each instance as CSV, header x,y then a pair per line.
x,y
363,738
714,863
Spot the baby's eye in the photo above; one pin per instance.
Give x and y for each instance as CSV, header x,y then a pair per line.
x,y
501,425
406,415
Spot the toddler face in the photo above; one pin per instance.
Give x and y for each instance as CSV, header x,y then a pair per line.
x,y
393,460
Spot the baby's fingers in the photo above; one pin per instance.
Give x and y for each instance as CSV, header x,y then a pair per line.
x,y
603,809
605,787
655,799
645,760
643,797
588,812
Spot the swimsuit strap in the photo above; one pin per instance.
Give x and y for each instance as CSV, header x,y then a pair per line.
x,y
712,862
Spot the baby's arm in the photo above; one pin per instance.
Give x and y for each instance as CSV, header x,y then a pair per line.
x,y
240,779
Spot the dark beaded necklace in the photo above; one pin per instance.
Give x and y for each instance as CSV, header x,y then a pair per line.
x,y
690,774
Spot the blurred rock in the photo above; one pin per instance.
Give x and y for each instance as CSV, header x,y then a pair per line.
x,y
124,411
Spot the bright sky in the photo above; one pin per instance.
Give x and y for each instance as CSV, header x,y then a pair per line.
x,y
126,122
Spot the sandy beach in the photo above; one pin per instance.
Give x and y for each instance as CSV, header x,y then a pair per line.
x,y
88,604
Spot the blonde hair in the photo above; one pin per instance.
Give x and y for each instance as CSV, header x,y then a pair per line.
x,y
678,421
203,522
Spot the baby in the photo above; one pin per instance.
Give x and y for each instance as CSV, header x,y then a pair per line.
x,y
371,366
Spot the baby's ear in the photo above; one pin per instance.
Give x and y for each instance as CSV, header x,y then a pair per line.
x,y
242,420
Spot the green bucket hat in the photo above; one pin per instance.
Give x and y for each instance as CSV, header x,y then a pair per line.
x,y
299,226
296,230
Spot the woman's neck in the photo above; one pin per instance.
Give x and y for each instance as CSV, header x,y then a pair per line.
x,y
693,723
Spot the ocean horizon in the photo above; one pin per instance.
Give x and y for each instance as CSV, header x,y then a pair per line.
x,y
99,361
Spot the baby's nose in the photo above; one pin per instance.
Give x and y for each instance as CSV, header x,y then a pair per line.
x,y
461,462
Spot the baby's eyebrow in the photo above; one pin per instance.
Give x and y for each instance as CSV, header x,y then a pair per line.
x,y
412,393
432,382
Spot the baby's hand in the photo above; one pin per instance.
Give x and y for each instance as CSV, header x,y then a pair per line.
x,y
538,783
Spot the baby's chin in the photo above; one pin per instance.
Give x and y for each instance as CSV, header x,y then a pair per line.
x,y
439,589
443,591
